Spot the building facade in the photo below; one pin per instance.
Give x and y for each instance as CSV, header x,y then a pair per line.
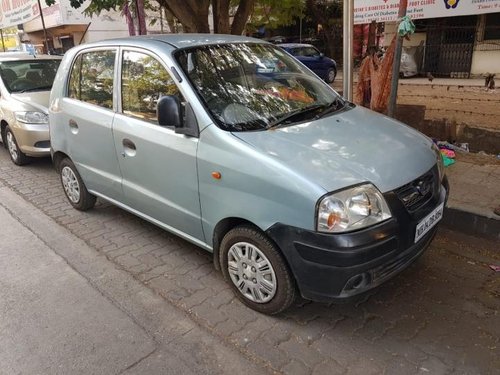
x,y
462,46
66,27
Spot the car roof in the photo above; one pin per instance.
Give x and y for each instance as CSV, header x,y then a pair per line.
x,y
182,40
294,45
22,56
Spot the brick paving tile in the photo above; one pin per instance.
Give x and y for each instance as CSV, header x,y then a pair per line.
x,y
439,316
295,367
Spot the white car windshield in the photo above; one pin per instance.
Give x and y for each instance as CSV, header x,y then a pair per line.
x,y
251,86
29,75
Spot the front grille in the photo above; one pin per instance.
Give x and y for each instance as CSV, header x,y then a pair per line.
x,y
417,193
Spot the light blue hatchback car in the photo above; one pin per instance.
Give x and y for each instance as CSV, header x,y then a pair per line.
x,y
232,144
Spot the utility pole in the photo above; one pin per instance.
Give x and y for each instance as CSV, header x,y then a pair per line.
x,y
44,29
348,47
403,4
3,44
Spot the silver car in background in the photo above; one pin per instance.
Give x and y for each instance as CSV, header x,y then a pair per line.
x,y
25,83
232,144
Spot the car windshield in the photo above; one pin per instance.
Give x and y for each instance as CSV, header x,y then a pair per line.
x,y
28,75
251,86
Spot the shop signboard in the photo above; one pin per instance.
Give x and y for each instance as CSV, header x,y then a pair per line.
x,y
15,12
366,11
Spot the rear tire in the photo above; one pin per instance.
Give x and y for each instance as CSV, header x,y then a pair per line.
x,y
74,188
256,270
16,155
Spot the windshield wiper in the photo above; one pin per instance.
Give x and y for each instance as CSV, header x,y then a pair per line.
x,y
334,106
286,119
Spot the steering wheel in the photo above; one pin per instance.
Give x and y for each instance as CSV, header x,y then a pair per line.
x,y
21,84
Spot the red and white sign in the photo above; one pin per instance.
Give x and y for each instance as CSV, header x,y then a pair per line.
x,y
366,11
15,12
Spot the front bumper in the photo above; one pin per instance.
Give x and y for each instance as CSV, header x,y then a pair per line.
x,y
33,140
338,266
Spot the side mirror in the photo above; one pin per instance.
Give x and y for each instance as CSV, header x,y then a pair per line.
x,y
321,55
171,112
168,111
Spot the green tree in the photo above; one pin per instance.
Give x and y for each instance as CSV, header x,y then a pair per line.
x,y
328,13
275,13
193,14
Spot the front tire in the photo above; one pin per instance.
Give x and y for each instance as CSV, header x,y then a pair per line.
x,y
74,188
330,75
256,271
16,155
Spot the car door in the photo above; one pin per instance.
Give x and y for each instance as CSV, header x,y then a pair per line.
x,y
87,114
311,58
158,165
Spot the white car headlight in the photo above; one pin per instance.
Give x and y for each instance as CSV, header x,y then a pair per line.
x,y
32,117
351,209
440,162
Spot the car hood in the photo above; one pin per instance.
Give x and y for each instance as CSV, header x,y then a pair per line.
x,y
37,99
347,148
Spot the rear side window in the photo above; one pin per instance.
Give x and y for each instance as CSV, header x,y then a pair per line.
x,y
144,81
91,78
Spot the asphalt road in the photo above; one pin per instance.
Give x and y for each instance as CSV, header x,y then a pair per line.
x,y
439,316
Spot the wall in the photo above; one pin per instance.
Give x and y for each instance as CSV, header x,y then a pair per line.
x,y
486,62
415,39
486,55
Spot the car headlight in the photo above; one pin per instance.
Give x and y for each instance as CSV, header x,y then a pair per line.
x,y
32,117
351,209
440,162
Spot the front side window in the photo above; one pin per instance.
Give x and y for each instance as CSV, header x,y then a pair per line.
x,y
29,75
306,52
144,81
250,86
91,78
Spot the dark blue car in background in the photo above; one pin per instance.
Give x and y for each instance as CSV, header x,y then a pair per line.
x,y
309,55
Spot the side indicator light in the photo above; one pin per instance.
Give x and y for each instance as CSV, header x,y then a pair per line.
x,y
216,175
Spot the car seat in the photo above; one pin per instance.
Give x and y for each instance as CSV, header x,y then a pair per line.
x,y
8,76
33,76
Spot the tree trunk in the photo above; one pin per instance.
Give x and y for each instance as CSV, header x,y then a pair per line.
x,y
220,10
241,17
130,20
170,21
325,12
192,14
141,17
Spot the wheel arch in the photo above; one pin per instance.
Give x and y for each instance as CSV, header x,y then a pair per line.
x,y
225,225
3,125
220,230
57,157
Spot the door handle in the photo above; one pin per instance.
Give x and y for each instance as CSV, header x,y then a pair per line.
x,y
128,147
127,143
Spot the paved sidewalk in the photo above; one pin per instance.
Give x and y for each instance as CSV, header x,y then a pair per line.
x,y
440,316
474,194
64,309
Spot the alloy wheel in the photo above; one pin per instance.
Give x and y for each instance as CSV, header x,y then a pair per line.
x,y
251,272
70,184
11,145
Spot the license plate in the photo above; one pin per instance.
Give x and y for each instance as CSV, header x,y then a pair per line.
x,y
428,222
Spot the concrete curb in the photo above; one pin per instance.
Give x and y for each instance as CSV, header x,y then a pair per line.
x,y
471,223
